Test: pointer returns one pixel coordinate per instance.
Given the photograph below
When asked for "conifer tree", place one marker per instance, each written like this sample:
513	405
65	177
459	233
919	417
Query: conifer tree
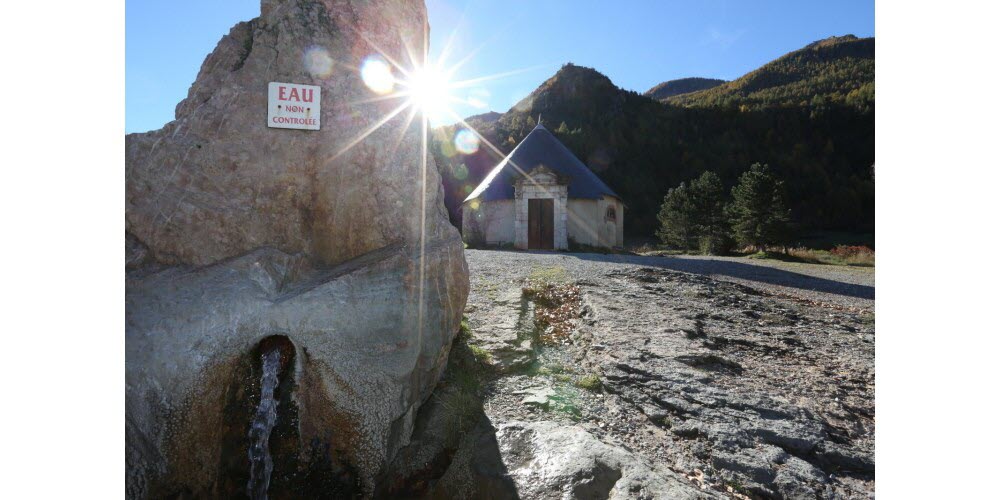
708	205
757	213
676	226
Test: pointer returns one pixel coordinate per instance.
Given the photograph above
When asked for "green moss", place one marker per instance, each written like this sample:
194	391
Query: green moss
590	382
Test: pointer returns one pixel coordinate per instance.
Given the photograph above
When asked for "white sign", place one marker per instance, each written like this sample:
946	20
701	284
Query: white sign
291	105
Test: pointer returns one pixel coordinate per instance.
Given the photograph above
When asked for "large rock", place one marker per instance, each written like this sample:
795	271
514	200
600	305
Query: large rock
217	182
551	461
240	237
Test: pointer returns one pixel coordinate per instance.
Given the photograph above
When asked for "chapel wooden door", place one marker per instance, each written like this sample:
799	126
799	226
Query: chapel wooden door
540	224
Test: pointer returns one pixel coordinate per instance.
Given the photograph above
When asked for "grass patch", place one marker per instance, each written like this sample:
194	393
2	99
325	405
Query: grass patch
590	382
481	355
467	361
733	486
859	256
548	275
465	380
551	370
464	332
658	250
459	392
666	252
463	408
828	240
566	401
839	256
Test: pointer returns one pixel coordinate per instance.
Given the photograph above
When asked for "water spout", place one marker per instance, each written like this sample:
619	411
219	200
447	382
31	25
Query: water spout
263	422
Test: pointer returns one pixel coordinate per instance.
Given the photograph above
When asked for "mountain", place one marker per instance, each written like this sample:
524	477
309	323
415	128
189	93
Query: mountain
838	70
823	148
484	118
671	88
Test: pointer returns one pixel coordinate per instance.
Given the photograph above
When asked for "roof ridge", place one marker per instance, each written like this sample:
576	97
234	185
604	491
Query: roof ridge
542	149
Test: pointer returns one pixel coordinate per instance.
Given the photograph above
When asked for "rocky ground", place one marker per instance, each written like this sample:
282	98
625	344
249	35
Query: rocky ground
668	384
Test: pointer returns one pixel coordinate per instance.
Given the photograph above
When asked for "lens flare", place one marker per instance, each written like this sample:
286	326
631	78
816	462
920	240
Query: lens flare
377	75
461	172
447	148
318	62
466	142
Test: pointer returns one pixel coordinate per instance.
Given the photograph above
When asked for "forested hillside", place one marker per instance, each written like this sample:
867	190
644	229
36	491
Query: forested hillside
819	140
838	70
671	88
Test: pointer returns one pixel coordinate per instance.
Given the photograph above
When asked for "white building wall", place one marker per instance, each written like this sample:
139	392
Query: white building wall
589	223
582	214
620	232
610	228
505	222
492	221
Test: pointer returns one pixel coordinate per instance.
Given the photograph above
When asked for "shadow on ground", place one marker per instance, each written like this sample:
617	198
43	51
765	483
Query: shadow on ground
738	270
453	450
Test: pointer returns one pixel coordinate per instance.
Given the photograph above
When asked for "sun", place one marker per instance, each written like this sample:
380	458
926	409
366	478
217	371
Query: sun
416	86
428	89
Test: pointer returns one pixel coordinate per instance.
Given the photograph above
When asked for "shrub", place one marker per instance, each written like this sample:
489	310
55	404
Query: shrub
852	251
855	255
841	255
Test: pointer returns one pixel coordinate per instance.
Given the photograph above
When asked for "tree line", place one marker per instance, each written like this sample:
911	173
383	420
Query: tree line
698	215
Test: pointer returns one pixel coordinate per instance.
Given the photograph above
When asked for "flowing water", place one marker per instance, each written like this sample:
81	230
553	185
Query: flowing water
260	429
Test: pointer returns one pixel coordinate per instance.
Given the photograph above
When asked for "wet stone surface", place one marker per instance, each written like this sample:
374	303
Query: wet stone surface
737	391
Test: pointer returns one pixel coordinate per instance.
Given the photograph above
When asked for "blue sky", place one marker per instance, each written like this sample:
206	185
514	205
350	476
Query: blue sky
636	43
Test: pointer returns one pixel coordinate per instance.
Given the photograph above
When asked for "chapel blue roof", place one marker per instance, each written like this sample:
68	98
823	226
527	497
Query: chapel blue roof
539	148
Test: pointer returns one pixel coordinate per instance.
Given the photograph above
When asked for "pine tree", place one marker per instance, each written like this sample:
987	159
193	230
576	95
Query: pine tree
758	214
676	226
708	206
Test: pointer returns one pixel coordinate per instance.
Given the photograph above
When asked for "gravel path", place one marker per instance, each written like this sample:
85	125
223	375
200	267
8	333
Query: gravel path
852	287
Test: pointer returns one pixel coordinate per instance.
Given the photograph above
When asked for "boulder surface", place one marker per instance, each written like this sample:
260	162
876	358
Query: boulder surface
329	244
551	461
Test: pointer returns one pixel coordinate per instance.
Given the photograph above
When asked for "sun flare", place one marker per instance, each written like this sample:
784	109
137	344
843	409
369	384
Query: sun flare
428	90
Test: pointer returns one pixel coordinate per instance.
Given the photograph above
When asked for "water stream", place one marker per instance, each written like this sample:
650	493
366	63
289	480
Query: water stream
260	429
